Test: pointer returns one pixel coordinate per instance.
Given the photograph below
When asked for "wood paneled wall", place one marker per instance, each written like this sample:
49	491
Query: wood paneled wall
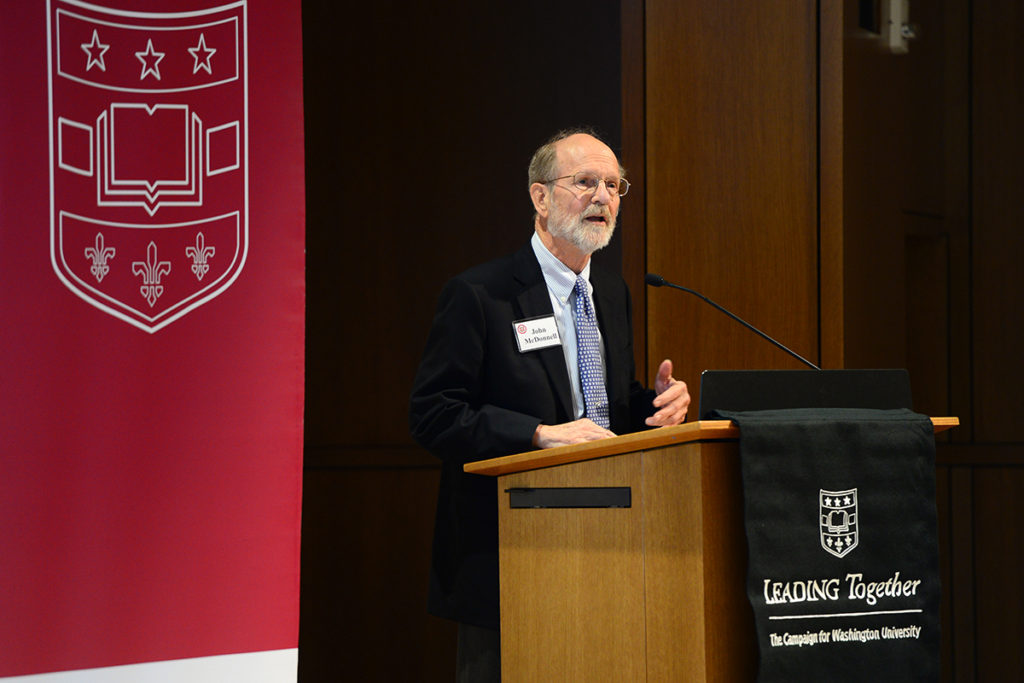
731	192
997	215
993	461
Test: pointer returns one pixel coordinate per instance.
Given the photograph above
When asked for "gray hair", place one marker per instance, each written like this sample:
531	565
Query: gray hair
545	159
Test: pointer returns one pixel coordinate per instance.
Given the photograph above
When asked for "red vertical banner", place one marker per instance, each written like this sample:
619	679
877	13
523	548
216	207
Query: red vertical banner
151	331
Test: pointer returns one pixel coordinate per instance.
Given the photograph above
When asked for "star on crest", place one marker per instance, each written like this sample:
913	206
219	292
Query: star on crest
202	55
150	61
95	50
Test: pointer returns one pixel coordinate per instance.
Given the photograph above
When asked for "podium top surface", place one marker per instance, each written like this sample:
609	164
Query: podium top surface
701	430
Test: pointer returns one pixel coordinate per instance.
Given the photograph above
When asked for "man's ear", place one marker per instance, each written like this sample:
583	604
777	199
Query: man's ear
540	195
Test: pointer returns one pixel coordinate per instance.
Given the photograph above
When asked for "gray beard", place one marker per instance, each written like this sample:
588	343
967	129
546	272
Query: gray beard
578	232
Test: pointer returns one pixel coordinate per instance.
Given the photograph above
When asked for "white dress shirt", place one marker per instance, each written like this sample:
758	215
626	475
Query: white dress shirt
561	282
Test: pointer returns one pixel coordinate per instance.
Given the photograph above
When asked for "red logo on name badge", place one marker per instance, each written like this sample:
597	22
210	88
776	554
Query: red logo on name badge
148	155
522	329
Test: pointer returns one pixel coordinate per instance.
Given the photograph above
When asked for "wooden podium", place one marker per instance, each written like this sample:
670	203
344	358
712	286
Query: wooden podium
653	590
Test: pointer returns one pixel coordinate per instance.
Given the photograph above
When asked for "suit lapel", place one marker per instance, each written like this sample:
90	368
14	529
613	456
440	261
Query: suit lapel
535	301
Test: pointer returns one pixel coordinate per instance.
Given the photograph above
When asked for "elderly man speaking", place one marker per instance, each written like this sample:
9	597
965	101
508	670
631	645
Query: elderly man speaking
533	350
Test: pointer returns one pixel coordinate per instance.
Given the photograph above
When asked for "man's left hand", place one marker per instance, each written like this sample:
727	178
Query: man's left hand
672	400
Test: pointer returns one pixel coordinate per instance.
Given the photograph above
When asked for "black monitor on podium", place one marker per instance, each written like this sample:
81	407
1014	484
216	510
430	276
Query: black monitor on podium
743	390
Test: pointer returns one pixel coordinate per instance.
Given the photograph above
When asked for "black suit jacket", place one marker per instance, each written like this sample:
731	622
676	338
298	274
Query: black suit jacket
476	396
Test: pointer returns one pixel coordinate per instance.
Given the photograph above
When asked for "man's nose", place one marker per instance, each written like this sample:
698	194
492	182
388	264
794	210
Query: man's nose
602	194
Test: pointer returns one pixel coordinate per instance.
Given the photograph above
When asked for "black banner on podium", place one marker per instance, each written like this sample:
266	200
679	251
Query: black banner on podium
841	530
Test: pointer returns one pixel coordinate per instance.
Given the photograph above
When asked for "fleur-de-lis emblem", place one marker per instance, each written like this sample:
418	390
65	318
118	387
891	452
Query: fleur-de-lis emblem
200	254
151	271
99	254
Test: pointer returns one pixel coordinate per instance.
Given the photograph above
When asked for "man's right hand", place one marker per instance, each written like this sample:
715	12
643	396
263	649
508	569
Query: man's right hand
579	431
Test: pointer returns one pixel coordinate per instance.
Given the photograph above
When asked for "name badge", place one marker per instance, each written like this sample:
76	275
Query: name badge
533	334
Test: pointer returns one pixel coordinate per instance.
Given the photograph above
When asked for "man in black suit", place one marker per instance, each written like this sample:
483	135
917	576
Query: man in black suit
515	361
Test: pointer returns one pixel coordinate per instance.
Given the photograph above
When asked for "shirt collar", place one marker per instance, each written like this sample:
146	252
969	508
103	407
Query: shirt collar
560	278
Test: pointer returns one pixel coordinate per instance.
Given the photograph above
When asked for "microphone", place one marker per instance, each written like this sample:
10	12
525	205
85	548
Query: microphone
658	281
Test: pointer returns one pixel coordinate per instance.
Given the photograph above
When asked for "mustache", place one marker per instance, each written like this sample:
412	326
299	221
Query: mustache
598	210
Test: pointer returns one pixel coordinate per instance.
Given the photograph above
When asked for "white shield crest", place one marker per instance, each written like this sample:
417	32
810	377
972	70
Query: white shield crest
838	521
148	155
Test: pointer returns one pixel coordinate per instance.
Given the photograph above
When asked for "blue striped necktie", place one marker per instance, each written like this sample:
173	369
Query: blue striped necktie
588	357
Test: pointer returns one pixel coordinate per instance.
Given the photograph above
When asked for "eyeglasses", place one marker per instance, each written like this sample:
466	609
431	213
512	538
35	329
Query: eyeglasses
588	182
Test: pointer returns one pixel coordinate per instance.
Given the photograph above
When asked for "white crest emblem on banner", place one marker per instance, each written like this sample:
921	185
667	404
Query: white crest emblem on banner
838	521
148	155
